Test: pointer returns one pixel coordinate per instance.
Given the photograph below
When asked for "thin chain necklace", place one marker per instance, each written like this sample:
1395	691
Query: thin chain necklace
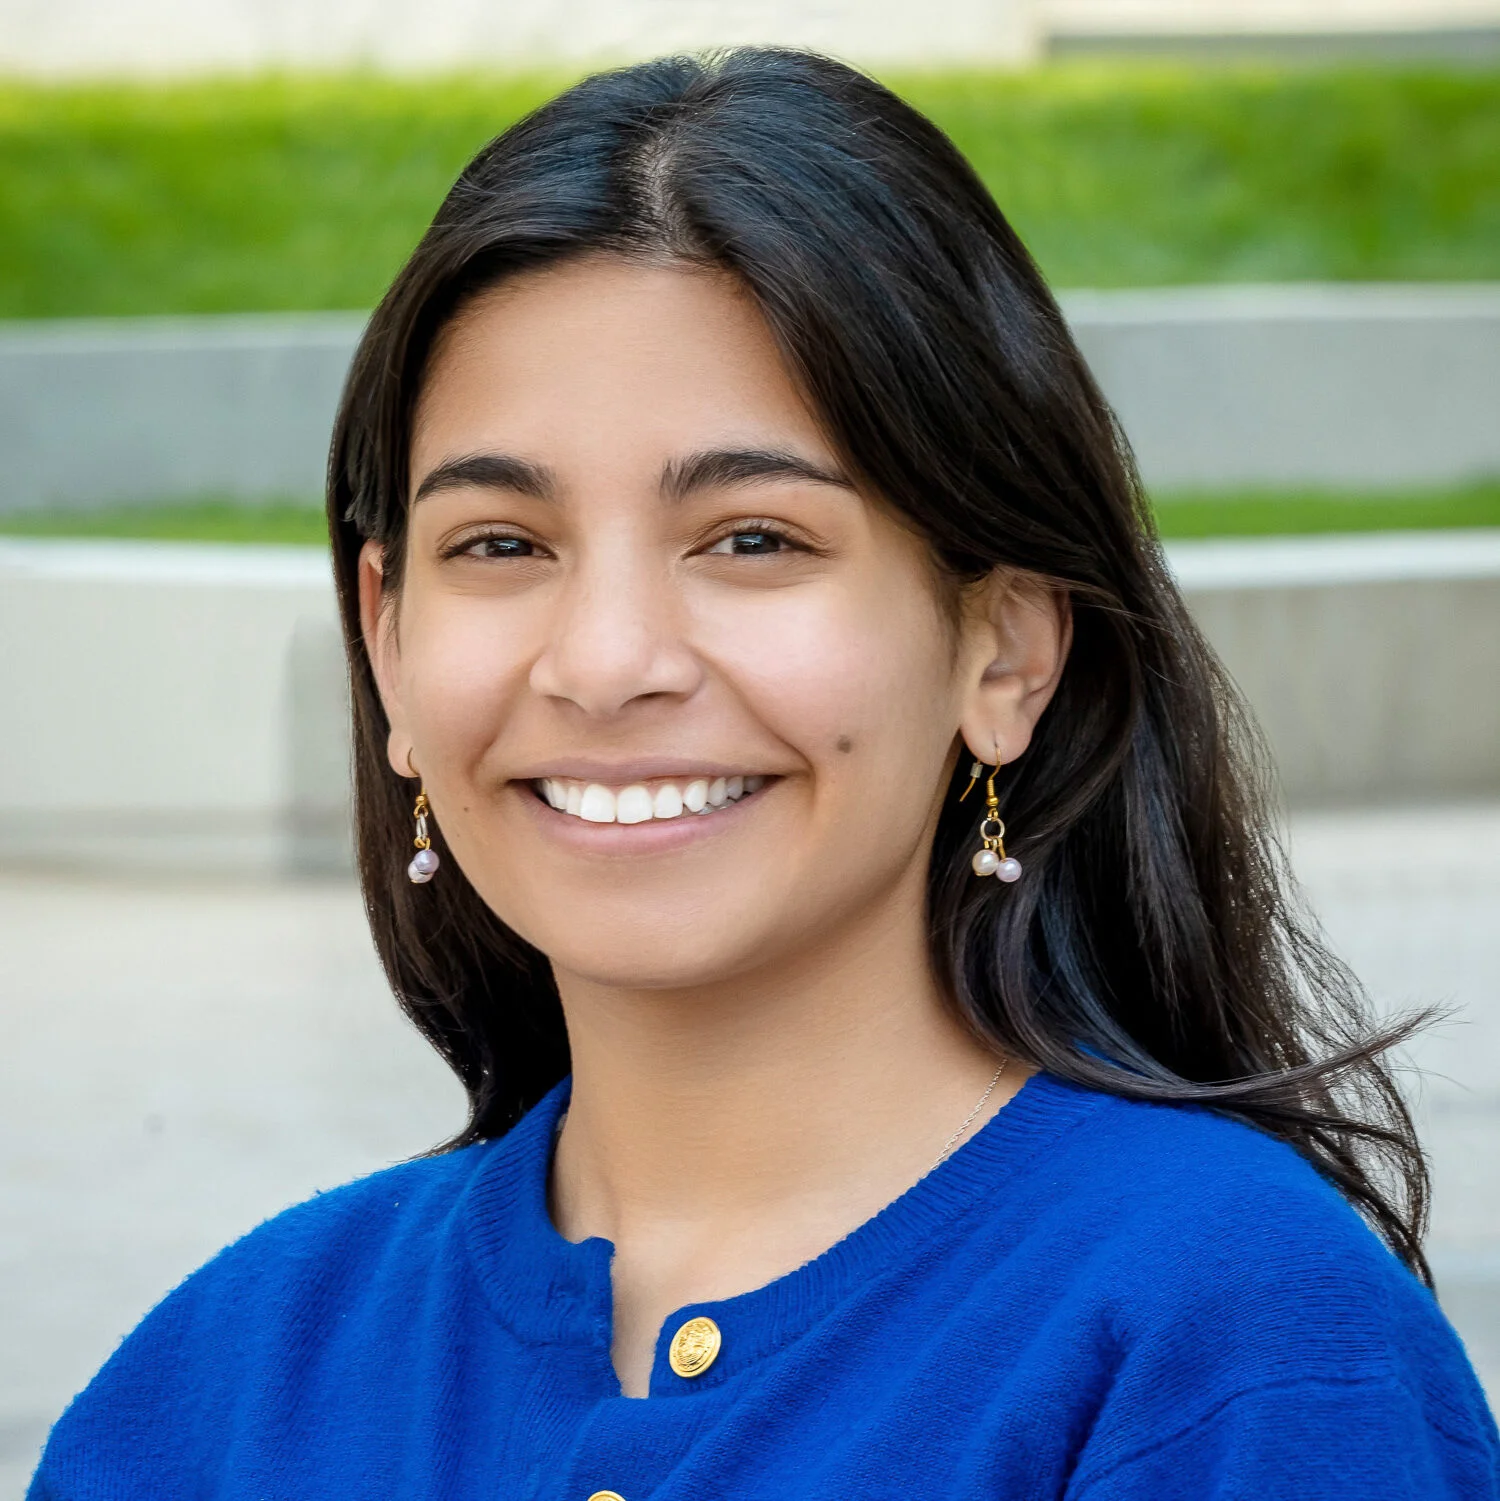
948	1147
969	1118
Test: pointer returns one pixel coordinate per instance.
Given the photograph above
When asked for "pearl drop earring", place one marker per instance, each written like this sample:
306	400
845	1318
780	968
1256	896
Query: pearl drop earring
991	859
425	862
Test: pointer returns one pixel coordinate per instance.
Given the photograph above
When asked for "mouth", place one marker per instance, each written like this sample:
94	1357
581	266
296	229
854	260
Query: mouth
658	800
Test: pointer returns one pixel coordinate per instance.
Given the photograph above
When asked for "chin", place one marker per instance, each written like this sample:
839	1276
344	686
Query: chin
667	936
648	954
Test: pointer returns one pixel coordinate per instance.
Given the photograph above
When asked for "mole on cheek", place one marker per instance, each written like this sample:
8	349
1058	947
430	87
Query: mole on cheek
845	743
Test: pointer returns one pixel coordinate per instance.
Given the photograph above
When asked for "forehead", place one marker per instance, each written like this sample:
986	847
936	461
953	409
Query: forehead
605	349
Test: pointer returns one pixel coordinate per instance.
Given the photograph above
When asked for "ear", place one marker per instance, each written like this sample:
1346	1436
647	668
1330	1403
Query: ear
1018	629
377	624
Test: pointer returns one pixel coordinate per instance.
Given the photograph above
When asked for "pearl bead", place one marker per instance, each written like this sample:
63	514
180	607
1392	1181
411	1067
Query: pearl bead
423	866
985	863
1008	870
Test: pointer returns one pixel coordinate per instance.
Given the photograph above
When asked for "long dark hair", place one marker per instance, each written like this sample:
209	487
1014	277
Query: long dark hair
1153	949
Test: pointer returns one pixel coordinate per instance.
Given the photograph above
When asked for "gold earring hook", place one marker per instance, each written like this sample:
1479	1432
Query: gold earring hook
976	770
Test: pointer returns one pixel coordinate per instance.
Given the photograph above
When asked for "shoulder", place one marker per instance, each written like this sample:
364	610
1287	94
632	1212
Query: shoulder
1223	1262
316	1282
1192	1178
1208	1209
350	1232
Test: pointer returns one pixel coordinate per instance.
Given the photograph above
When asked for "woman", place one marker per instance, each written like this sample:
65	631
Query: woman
837	882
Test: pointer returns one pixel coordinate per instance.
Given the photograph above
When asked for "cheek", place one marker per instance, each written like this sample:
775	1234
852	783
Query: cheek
462	673
842	673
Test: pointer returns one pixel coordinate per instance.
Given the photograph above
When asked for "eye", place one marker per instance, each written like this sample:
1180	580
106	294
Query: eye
502	546
754	541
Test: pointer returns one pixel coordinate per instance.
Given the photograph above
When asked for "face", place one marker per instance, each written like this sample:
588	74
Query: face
684	700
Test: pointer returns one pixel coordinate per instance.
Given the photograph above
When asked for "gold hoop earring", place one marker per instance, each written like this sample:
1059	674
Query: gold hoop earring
990	858
425	862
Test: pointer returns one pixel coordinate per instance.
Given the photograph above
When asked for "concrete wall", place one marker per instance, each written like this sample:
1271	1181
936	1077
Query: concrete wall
1317	17
171	707
1447	47
1322	385
98	410
156	37
1372	662
1317	384
182	706
1454	33
163	37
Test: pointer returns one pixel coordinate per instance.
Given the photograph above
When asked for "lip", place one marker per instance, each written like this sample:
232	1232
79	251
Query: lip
640	769
652	837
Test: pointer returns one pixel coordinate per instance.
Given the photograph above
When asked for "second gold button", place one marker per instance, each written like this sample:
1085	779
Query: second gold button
695	1347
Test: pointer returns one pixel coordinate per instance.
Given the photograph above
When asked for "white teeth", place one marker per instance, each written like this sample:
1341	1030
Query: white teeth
632	804
598	804
638	803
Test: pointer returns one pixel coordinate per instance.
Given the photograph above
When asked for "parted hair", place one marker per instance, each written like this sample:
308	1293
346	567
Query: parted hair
1156	948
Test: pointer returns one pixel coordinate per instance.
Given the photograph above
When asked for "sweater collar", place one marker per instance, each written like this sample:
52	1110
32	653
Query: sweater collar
551	1291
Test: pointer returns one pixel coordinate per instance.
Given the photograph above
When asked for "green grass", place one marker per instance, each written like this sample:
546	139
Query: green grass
1245	513
1142	177
1263	513
305	193
206	520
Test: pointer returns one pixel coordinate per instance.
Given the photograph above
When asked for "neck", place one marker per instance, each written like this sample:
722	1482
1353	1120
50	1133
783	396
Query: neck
838	1079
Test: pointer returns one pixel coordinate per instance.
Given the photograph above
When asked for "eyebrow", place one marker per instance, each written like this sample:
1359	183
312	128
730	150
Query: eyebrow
489	471
738	466
680	477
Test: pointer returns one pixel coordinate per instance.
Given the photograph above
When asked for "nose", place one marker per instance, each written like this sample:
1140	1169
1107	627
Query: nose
617	637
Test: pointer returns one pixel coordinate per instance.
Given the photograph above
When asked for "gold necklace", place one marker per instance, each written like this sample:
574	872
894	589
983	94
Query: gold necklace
942	1156
969	1118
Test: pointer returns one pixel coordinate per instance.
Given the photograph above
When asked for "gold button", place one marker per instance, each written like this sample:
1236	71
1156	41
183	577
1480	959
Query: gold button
606	1496
695	1347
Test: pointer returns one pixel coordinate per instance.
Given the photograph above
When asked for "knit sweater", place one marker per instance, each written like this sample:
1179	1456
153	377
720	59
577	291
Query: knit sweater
1092	1298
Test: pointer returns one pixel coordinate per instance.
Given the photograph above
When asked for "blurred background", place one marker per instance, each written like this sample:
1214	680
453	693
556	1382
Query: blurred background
1275	229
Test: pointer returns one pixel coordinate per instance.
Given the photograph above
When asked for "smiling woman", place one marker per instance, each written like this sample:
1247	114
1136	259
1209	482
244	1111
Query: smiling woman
637	577
718	498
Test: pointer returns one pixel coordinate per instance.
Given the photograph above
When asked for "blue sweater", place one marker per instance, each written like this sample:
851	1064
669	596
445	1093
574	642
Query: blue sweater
1092	1298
